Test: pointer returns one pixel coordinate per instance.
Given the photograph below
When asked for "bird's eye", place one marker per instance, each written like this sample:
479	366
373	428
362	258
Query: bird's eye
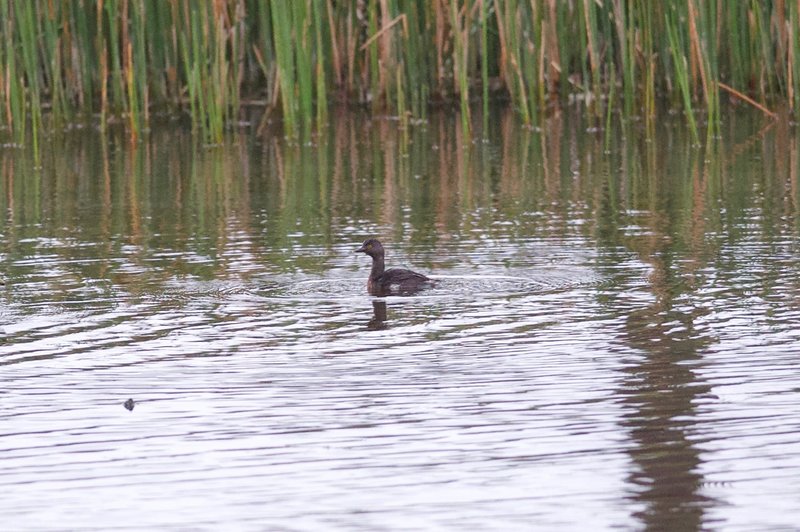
369	246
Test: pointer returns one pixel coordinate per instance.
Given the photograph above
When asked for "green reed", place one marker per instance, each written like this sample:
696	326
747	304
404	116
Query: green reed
793	63
27	29
681	69
484	52
512	55
460	26
121	61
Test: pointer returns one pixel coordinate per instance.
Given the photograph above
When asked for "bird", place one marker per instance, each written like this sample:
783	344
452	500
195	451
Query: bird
394	280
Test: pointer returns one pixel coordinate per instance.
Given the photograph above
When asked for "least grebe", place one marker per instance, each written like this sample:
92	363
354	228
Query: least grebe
394	280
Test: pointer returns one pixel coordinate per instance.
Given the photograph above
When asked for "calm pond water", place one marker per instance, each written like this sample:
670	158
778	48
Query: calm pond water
613	341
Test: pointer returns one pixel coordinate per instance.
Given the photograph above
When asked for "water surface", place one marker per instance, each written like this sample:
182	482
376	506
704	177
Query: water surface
612	343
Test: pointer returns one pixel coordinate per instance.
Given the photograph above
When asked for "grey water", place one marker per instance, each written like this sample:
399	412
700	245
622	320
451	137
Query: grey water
187	342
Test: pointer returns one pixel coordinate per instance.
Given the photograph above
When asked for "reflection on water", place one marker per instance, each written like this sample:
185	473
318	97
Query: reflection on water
187	339
378	320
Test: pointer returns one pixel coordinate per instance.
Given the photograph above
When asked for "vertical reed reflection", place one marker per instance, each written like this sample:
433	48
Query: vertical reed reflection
360	177
663	388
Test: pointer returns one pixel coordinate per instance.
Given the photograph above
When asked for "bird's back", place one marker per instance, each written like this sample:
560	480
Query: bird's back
400	279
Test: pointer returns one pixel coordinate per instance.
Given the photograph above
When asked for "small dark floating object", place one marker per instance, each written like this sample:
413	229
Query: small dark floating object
383	282
129	404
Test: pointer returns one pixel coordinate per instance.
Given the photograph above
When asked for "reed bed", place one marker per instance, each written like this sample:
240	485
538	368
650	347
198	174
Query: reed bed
131	61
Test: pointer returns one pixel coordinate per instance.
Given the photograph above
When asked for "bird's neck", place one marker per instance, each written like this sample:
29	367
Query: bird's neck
377	267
